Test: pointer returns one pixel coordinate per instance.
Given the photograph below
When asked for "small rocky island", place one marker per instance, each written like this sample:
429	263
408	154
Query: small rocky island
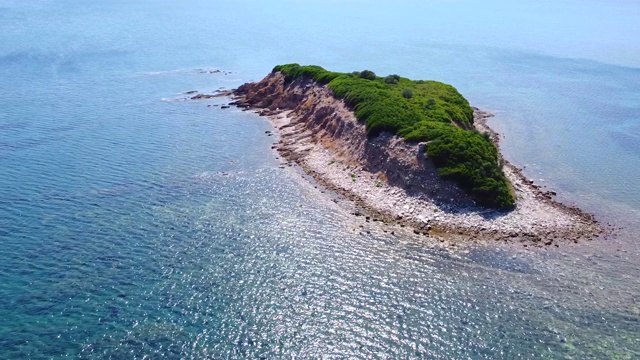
413	153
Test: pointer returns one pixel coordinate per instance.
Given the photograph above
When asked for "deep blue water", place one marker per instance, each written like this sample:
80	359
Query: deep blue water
133	225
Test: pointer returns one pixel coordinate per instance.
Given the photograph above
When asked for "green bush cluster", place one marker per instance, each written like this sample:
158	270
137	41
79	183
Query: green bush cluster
422	111
368	74
317	73
392	79
407	93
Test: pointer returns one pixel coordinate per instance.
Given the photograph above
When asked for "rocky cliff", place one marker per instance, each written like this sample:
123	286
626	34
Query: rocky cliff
317	116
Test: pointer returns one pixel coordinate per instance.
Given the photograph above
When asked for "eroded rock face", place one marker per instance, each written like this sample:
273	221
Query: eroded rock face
318	116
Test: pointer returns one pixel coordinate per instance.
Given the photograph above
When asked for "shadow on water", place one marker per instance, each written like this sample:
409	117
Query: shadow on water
628	141
501	260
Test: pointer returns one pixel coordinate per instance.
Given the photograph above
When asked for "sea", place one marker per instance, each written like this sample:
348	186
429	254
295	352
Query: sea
137	224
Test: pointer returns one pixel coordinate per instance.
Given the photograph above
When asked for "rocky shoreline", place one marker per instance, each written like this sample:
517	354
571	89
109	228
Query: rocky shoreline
391	181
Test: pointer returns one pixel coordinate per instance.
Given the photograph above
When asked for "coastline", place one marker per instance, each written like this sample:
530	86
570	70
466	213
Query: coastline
316	142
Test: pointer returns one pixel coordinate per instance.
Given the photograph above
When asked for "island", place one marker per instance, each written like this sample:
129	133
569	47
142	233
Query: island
411	153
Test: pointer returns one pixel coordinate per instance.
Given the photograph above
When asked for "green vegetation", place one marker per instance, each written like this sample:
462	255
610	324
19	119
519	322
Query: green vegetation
368	74
407	93
392	79
421	111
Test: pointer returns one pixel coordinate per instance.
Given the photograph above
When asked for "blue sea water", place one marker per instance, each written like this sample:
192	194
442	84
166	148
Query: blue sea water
135	225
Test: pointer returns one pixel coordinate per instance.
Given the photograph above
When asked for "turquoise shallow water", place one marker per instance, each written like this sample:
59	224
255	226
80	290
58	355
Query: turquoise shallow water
134	225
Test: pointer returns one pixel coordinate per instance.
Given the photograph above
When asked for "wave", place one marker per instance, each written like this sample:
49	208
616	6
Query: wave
212	70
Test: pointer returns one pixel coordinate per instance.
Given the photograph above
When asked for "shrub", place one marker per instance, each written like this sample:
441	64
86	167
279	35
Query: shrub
392	79
470	161
317	73
368	74
407	93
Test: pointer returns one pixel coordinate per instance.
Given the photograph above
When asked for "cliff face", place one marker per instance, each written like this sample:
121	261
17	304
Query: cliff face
318	117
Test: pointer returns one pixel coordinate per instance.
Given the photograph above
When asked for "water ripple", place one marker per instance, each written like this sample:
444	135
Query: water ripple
132	227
